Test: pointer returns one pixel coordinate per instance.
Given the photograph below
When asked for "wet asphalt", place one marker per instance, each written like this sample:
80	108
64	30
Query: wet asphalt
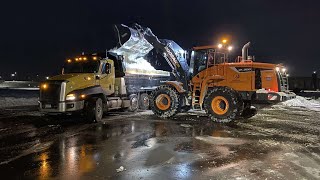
278	143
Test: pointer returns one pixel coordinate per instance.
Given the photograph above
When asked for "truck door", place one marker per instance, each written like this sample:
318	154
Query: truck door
107	77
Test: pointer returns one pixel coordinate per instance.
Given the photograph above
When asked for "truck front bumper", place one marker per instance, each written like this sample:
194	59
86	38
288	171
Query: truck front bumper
61	107
273	97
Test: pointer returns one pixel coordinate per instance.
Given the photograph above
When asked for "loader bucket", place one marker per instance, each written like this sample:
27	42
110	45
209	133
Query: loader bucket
131	42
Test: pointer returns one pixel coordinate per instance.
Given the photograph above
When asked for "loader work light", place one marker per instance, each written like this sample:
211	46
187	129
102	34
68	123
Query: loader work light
284	70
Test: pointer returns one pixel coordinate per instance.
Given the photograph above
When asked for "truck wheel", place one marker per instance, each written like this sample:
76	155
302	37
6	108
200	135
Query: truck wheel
144	101
164	101
94	110
134	103
222	104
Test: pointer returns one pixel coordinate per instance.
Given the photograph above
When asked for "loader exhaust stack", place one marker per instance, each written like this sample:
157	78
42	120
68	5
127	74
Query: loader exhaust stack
245	51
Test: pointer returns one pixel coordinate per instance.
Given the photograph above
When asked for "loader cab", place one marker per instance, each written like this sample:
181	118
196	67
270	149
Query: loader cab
204	57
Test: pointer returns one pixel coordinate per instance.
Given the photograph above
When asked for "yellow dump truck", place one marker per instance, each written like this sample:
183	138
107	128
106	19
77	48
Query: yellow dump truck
93	84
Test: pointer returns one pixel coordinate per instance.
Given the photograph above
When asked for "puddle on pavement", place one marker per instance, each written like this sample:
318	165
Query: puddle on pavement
111	144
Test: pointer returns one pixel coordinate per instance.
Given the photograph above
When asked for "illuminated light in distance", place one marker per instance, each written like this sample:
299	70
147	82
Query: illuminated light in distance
277	69
288	75
85	58
230	48
83	96
314	72
219	46
47	77
224	41
69	60
80	59
77	59
94	58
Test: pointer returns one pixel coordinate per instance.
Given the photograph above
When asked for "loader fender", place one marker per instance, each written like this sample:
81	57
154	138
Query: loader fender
177	85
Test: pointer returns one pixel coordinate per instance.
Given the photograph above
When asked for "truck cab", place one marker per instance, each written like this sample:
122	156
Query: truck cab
88	84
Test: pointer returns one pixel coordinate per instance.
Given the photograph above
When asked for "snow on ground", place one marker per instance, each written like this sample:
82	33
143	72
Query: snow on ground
18	97
303	103
13	101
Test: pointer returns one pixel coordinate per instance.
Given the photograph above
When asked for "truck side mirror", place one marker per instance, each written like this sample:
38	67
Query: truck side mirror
107	68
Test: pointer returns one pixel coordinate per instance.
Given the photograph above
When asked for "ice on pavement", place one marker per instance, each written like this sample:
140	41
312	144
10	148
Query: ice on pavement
304	103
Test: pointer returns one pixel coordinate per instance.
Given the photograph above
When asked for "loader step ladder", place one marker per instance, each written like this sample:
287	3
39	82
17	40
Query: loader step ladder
196	97
284	83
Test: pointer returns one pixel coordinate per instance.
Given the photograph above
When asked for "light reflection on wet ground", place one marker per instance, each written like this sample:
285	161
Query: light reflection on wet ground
149	148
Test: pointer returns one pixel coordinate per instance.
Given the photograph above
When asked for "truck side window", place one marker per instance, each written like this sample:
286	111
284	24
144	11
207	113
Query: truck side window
107	68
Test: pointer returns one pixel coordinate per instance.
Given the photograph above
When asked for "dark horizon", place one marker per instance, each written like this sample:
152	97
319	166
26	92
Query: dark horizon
37	37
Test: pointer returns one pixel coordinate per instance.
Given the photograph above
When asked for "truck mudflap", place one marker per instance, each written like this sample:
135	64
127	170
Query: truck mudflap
273	97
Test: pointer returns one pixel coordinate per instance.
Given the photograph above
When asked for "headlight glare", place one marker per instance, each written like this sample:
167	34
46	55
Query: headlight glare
71	97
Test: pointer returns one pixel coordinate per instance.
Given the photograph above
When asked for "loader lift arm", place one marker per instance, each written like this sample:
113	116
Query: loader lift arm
142	41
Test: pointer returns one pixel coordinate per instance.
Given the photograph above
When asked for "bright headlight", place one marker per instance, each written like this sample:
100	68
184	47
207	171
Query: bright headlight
71	97
277	69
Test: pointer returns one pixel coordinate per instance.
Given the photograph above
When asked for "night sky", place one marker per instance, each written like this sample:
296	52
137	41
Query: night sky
37	36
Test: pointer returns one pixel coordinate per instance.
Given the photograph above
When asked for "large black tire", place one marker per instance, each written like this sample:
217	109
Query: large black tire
222	104
94	110
134	103
144	102
164	101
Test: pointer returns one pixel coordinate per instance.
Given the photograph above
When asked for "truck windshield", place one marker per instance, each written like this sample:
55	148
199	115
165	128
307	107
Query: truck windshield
81	67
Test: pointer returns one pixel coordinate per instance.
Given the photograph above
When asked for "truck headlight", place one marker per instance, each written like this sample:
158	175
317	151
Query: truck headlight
71	97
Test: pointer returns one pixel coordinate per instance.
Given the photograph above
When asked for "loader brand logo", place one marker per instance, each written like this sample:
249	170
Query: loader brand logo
240	69
268	78
171	55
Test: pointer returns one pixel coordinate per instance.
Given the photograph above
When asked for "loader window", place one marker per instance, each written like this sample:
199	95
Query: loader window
82	67
200	60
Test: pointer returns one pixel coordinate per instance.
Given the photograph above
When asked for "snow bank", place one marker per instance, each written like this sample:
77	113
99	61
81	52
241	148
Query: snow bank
18	97
304	103
13	101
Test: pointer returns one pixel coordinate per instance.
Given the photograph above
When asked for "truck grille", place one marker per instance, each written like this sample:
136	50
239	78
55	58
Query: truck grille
52	93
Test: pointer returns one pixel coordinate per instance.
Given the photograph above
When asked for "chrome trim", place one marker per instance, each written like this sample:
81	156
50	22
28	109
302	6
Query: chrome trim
62	107
63	91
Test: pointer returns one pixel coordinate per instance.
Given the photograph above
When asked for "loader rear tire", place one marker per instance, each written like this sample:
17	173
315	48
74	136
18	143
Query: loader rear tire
248	111
164	101
222	104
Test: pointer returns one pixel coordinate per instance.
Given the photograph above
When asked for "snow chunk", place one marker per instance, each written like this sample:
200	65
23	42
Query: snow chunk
303	102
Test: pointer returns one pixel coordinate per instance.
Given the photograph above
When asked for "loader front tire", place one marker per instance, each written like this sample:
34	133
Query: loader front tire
164	101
